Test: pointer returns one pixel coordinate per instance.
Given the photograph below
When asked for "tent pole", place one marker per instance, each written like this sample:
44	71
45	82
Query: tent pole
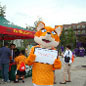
2	39
3	42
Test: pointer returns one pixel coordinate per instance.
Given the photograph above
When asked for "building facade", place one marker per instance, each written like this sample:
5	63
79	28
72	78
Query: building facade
80	32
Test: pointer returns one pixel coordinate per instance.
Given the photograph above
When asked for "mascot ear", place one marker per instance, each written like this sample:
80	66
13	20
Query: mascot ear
58	29
40	25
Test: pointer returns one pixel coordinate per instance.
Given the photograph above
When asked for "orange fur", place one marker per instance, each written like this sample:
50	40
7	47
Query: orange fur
46	37
49	29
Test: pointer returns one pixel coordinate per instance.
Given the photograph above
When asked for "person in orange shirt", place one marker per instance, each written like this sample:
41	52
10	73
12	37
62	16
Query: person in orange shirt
20	61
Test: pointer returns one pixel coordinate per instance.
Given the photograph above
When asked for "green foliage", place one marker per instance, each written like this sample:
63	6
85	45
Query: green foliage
5	41
63	38
68	37
21	48
25	42
28	42
2	10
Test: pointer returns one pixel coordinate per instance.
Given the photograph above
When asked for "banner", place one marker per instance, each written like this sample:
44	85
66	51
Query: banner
45	55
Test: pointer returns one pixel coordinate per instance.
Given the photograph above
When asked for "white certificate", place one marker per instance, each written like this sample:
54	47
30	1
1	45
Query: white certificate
45	55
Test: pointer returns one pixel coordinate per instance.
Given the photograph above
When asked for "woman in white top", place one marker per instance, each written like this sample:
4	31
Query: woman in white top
68	53
67	65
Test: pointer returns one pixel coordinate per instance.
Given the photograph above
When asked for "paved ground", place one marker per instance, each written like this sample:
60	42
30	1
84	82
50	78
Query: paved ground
78	74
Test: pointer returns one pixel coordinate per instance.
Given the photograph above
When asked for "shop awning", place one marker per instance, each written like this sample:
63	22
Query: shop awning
8	33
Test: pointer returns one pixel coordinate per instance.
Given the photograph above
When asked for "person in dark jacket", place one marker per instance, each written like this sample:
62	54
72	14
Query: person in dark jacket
14	51
5	55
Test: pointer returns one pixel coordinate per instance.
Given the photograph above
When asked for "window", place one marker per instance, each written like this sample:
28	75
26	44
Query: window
75	32
83	26
79	31
65	28
83	31
66	32
78	26
69	27
74	26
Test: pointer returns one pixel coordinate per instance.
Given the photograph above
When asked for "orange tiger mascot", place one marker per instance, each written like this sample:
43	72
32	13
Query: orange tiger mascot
48	38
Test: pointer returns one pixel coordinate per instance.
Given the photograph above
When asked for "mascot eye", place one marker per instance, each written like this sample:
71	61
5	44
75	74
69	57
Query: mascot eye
53	32
43	30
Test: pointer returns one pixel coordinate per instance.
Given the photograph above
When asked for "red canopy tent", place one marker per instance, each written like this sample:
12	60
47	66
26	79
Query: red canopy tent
8	33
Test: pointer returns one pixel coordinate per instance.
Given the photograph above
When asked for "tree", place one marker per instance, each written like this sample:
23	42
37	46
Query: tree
2	13
63	36
68	37
71	38
38	20
2	10
82	39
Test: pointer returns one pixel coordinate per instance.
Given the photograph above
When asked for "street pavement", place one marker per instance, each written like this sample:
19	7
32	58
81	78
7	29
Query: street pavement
78	75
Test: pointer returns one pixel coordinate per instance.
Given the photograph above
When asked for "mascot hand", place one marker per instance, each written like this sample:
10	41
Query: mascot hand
32	57
30	60
57	64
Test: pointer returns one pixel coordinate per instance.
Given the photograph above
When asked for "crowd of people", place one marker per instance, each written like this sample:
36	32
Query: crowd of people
12	54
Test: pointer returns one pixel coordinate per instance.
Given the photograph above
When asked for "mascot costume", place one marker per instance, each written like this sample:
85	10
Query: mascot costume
47	38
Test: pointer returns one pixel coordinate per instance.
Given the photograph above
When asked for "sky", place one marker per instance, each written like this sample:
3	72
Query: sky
52	12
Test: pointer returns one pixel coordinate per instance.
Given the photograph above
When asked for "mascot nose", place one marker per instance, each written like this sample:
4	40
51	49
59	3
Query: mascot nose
48	32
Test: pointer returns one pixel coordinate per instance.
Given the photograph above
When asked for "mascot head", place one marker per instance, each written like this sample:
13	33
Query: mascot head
47	37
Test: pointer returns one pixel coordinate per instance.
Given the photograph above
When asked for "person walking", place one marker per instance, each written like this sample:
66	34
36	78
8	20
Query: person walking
5	57
67	64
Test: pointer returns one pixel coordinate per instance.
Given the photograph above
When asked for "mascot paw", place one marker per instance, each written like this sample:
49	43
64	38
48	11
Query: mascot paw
32	57
30	60
57	64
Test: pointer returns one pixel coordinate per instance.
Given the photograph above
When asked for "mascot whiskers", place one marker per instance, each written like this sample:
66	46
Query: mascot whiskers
47	38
